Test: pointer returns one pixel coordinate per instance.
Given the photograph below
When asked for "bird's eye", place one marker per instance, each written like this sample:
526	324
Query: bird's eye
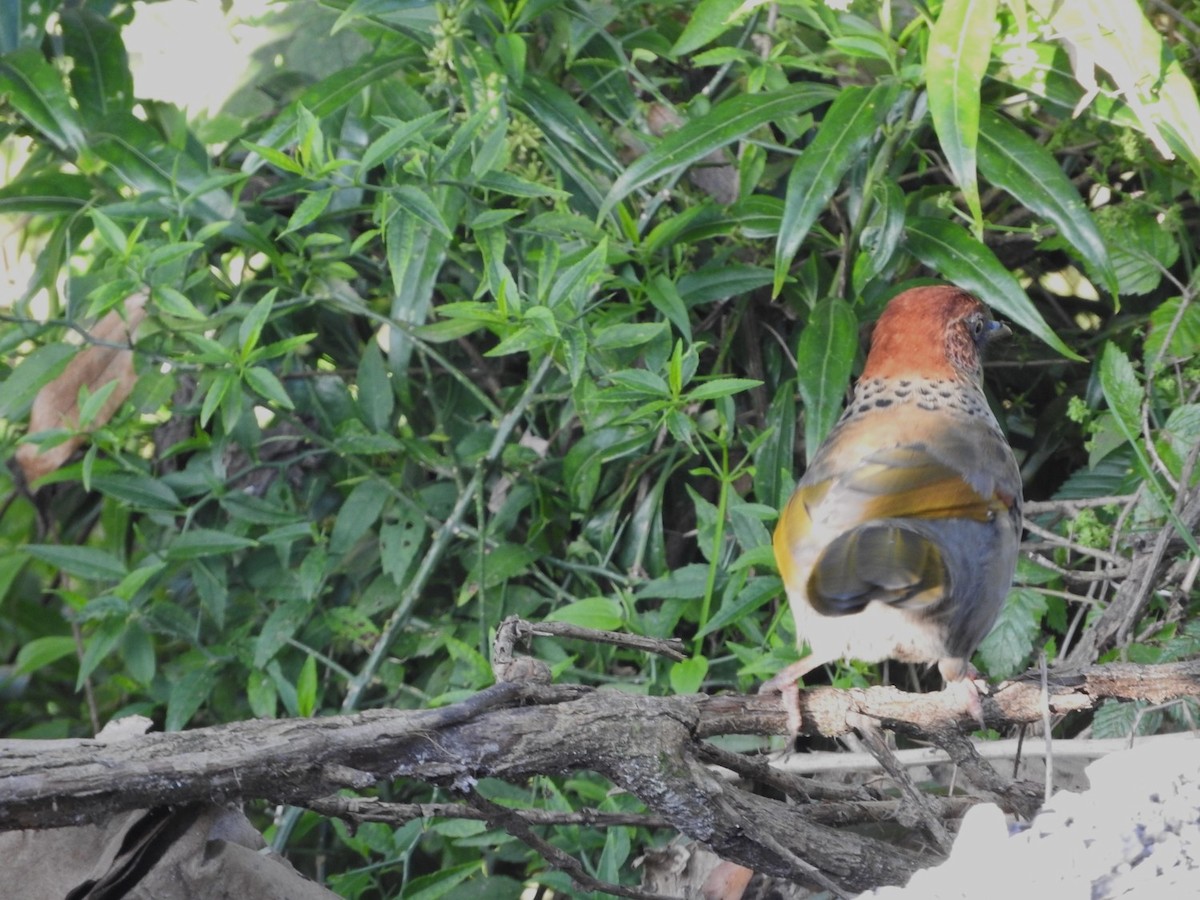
977	327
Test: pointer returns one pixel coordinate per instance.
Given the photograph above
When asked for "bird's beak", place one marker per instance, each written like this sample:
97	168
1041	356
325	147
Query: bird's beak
998	329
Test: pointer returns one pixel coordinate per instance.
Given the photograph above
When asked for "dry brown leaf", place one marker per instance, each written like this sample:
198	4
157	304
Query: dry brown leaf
95	365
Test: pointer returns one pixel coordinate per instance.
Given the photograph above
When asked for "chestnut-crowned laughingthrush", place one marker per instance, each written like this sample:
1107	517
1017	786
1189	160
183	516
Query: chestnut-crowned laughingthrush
900	540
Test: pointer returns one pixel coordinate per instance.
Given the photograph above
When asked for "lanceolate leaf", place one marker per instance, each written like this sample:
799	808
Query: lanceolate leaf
959	258
34	89
823	363
844	133
959	49
724	123
710	20
100	76
1012	160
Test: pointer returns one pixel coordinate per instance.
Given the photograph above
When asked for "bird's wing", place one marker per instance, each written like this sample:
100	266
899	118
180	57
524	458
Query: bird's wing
892	519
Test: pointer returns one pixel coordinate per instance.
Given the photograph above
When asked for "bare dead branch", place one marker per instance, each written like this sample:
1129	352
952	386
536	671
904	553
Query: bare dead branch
372	809
648	746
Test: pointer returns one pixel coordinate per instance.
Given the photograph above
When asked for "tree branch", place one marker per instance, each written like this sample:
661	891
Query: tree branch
650	746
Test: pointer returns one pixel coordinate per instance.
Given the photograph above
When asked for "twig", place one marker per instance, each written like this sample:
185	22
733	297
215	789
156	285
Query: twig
1083	549
672	648
759	769
1114	574
872	738
1071	507
501	817
372	809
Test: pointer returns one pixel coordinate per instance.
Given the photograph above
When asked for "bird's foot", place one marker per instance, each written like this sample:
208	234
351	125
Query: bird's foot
786	684
968	690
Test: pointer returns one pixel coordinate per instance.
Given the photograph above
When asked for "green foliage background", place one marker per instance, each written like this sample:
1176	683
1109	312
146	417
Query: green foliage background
535	309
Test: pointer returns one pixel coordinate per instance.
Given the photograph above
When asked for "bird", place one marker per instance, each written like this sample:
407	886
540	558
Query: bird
900	539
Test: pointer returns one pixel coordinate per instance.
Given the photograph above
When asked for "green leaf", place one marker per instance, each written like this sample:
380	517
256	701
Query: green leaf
1182	324
722	387
200	542
613	859
1115	719
959	258
398	136
260	694
308	210
577	282
1140	247
440	883
1122	391
419	204
774	459
1012	160
132	583
752	596
188	694
400	543
90	563
960	47
347	84
34	88
110	232
824	359
688	675
720	282
565	124
139	491
601	613
250	330
723	124
583	462
497	565
627	335
665	297
266	384
283	622
688	582
137	650
100	76
277	158
174	303
1006	649
415	253
91	403
881	234
709	20
98	645
42	652
358	513
514	186
306	687
376	400
843	136
45	193
165	254
35	371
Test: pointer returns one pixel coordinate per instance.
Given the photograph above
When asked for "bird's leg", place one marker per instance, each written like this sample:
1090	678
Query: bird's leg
786	683
964	681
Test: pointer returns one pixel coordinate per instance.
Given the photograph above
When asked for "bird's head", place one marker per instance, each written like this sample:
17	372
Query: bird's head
932	332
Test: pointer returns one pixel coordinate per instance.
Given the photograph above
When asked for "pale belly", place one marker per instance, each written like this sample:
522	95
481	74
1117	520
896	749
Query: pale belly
877	632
